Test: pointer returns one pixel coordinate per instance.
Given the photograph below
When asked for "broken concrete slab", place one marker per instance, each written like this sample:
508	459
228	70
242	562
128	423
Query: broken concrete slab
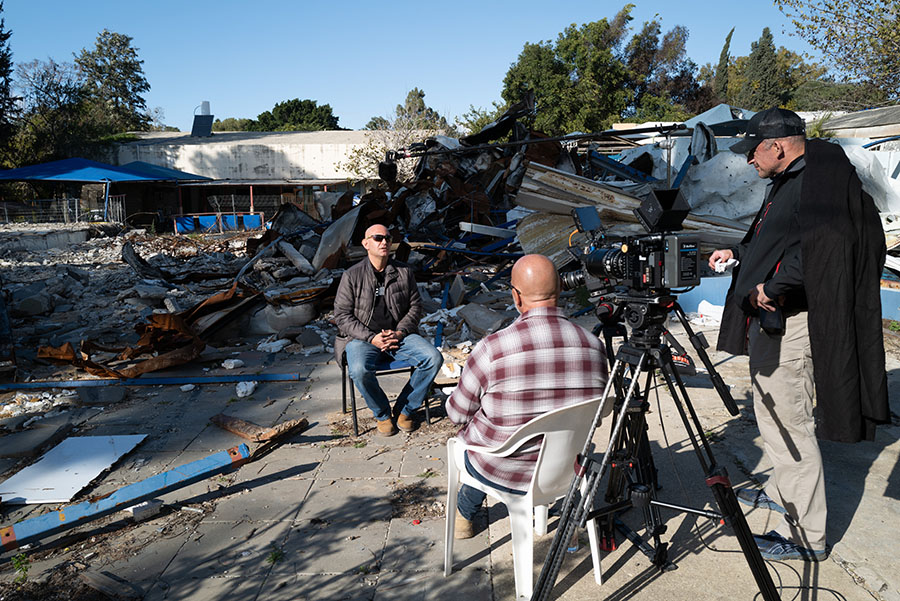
37	304
105	395
28	443
483	321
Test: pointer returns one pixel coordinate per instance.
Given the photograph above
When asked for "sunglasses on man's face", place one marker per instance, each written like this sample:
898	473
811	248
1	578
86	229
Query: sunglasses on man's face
380	237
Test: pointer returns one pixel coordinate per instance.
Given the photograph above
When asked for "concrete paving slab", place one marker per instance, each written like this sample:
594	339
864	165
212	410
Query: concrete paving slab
403	586
420	547
102	395
208	589
286	586
332	547
348	503
146	553
298	460
264	499
226	550
371	461
430	458
29	443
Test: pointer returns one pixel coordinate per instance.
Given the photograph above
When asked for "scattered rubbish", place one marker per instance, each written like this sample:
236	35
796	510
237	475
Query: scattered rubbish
156	381
187	388
273	346
245	389
232	363
66	469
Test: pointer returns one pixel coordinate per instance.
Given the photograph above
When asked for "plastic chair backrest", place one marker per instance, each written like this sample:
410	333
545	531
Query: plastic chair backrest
565	431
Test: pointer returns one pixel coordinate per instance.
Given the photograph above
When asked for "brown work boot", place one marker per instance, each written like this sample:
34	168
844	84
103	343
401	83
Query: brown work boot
405	423
463	528
386	428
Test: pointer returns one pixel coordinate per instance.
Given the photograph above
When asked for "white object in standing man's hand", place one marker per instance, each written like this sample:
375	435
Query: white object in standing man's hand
723	266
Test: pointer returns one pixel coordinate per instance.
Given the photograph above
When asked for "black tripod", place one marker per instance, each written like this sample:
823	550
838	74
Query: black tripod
632	474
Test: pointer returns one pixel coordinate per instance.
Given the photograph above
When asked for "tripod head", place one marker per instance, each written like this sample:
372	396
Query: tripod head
645	313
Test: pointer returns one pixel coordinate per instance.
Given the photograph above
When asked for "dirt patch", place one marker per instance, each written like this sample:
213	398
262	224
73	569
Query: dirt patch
418	500
62	584
341	426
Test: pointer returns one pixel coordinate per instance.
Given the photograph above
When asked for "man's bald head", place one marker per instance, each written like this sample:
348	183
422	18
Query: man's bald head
376	229
377	243
536	282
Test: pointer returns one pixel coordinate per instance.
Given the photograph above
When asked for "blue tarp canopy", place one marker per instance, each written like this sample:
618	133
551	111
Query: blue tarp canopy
83	170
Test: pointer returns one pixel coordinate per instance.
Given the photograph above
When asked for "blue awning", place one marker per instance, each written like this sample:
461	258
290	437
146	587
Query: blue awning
84	170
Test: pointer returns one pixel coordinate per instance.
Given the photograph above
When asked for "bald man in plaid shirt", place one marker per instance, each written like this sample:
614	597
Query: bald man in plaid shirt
541	362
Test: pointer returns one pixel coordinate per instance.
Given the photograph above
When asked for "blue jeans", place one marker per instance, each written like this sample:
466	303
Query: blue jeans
469	499
363	359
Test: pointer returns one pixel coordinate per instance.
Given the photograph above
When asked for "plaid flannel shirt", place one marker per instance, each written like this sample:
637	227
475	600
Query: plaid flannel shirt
541	362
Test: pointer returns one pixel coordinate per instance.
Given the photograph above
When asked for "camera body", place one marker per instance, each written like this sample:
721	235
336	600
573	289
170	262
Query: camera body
642	263
647	264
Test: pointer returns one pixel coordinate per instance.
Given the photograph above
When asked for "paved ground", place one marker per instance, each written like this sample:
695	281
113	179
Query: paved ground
327	516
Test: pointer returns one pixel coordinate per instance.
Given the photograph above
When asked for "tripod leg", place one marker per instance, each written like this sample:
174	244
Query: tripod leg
576	505
717	480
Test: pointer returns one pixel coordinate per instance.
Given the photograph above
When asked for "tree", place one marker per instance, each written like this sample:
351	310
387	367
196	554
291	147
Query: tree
412	122
295	115
579	82
474	120
826	94
7	100
57	120
721	77
231	124
760	90
861	39
662	75
417	115
115	79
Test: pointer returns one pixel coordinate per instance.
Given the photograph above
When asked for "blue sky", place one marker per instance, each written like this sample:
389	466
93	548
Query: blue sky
359	57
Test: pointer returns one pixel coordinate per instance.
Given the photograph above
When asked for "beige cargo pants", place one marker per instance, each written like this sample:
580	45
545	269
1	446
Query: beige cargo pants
781	372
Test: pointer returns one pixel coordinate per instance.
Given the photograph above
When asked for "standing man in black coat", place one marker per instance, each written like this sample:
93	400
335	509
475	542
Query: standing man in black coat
805	301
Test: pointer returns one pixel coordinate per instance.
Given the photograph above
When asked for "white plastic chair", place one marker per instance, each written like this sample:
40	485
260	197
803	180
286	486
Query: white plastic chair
564	431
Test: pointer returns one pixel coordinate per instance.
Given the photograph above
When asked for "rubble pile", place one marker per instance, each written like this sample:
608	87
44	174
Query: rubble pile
125	304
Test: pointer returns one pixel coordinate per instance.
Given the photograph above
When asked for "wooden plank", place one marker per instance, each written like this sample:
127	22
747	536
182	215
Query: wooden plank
255	432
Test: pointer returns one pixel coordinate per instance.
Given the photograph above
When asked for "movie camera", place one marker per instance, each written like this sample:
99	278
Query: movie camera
660	259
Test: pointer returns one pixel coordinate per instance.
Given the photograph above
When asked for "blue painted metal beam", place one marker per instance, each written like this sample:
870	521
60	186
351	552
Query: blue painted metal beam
618	169
48	524
439	331
154	381
690	160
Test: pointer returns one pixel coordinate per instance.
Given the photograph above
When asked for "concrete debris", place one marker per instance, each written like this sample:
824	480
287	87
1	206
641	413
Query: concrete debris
144	510
272	346
245	389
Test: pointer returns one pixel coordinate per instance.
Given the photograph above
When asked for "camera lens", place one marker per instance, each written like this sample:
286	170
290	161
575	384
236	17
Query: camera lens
572	279
609	263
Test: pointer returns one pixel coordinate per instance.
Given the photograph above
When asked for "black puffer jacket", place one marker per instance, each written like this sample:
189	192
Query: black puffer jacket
355	302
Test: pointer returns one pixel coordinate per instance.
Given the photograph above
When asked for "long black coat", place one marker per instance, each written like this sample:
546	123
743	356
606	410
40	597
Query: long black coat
843	249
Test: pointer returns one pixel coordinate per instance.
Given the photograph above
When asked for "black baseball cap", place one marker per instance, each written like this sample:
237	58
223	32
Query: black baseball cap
767	124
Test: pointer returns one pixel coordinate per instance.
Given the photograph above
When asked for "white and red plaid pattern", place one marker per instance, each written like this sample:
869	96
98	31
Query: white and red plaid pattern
541	362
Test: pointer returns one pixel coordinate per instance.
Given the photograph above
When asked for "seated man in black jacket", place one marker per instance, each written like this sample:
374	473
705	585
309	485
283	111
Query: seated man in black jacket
377	310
